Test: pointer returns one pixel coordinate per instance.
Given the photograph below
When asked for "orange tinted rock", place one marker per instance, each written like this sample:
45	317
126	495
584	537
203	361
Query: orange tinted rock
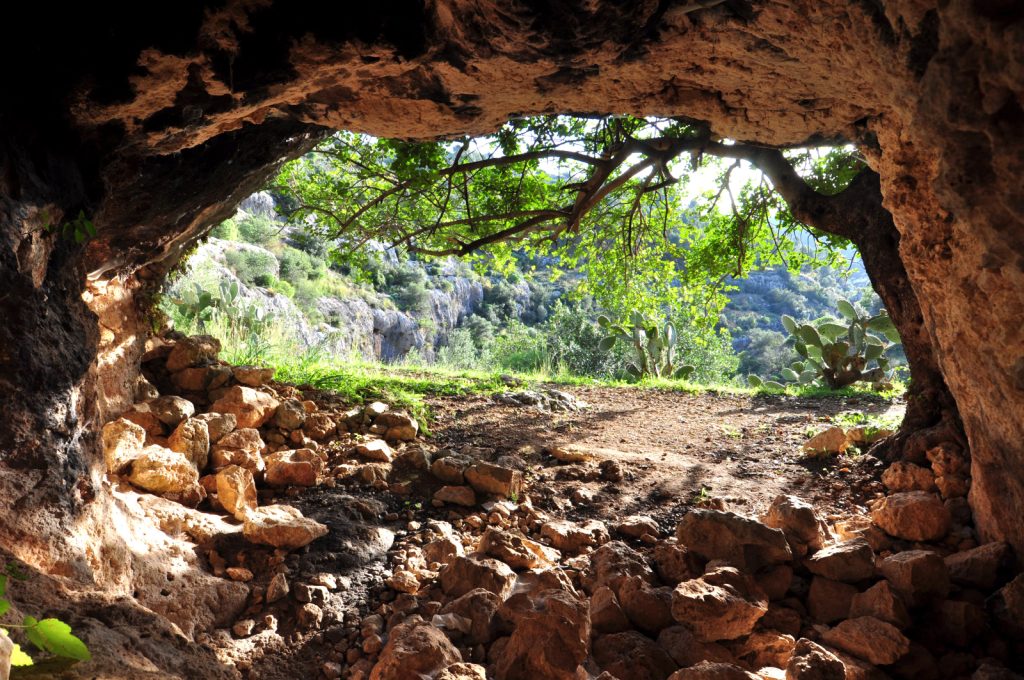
414	650
719	535
251	408
870	639
912	515
721	605
632	656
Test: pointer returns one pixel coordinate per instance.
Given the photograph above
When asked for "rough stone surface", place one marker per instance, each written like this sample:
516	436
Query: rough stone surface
376	449
710	670
920	576
192	438
494	479
719	535
913	515
686	650
811	661
572	537
250	407
849	561
171	410
236	491
194	350
979	567
123	442
904	476
456	495
882	602
868	638
478	607
552	615
649	608
281	526
797	519
516	550
301	467
606	615
1007	607
218	424
463	574
721	605
161	471
828	442
414	650
290	415
829	600
632	656
252	376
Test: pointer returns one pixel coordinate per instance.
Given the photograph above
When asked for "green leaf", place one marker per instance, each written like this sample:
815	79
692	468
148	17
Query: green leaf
607	343
773	385
789	374
882	322
789	323
832	330
809	334
892	336
603	321
873	351
54	636
846	309
3	584
754	381
4	607
808	376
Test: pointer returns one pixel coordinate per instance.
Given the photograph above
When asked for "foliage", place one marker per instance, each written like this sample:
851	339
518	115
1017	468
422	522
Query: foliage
49	635
251	265
78	229
226	230
840	354
257	229
655	347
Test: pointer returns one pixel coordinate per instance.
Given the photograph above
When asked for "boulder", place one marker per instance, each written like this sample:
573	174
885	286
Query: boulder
123	442
958	622
196	350
252	376
553	616
171	410
612	564
404	581
632	656
947	459
573	537
848	561
861	526
241	447
301	467
912	515
919	576
606	615
236	491
721	605
904	476
143	416
218	424
192	438
456	495
376	449
829	600
829	442
763	648
674	563
201	378
1007	607
882	602
479	607
494	479
740	541
686	650
397	426
161	470
636	526
953	486
649	608
251	408
797	519
868	638
775	581
442	550
979	567
414	650
463	671
811	661
290	415
516	550
319	426
463	574
449	469
281	526
710	670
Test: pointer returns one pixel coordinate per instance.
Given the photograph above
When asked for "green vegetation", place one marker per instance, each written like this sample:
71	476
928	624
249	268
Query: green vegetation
49	635
655	347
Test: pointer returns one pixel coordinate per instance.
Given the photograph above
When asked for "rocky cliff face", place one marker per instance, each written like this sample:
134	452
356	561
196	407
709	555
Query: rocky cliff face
159	128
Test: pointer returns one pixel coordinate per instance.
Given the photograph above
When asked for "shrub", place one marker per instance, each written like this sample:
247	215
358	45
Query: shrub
257	229
250	265
298	266
226	230
460	352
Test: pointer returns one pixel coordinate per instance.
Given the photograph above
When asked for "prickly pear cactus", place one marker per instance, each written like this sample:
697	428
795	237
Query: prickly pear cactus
655	346
838	354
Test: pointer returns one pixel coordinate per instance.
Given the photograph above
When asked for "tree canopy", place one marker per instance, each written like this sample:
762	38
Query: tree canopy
612	197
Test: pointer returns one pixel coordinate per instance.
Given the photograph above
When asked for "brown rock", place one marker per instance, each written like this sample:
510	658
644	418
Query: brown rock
868	638
290	415
463	574
141	415
953	486
554	616
849	561
829	442
252	376
494	479
743	542
710	670
196	350
606	615
398	427
721	605
240	574
947	459
376	449
251	408
686	650
811	661
882	602
783	619
636	526
912	515
797	519
479	607
442	550
829	600
463	671
449	469
218	424
404	581
649	608
301	467
241	447
192	438
162	471
632	656
516	550
201	379
979	567
236	491
456	495
1007	607
319	426
278	588
123	442
674	563
572	537
763	648
414	650
861	526
904	476
171	410
958	622
613	563
919	576
281	526
775	581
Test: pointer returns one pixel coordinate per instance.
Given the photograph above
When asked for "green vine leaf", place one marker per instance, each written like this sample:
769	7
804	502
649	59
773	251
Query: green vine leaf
54	636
